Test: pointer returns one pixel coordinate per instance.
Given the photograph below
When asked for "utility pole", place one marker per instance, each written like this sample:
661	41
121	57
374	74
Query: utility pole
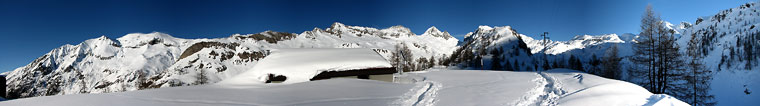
545	40
545	43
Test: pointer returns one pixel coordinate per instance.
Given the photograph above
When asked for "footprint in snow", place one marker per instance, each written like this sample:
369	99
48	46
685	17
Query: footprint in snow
579	77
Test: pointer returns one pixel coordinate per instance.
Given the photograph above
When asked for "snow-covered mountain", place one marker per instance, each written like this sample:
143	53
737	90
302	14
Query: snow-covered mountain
729	36
577	42
502	48
153	60
490	41
730	42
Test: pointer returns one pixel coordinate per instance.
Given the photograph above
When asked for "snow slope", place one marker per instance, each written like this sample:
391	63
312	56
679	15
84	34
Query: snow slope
432	87
727	39
300	65
576	88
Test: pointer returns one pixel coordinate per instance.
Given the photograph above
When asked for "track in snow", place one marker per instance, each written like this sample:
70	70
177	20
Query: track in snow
421	95
546	94
552	91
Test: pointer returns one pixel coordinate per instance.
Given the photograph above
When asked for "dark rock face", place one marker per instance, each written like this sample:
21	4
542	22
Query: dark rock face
201	45
269	36
2	86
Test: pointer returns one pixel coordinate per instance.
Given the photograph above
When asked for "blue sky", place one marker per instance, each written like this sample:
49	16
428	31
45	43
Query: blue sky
31	28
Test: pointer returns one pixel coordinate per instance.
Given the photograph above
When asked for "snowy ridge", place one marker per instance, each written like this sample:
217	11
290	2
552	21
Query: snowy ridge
500	48
92	64
434	32
577	42
678	29
155	60
139	39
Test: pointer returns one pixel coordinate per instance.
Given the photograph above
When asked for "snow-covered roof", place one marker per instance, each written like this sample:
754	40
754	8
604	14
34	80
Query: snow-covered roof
300	65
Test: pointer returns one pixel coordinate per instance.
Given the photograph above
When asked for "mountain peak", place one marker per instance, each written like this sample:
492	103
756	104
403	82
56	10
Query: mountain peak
102	37
139	39
337	25
432	30
399	29
102	40
139	35
684	25
317	30
468	35
484	28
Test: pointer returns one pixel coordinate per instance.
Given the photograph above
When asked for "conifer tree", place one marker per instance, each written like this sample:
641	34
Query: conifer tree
496	60
698	77
200	78
611	64
508	66
658	63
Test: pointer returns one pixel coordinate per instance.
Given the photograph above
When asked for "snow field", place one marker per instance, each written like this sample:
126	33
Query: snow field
440	88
